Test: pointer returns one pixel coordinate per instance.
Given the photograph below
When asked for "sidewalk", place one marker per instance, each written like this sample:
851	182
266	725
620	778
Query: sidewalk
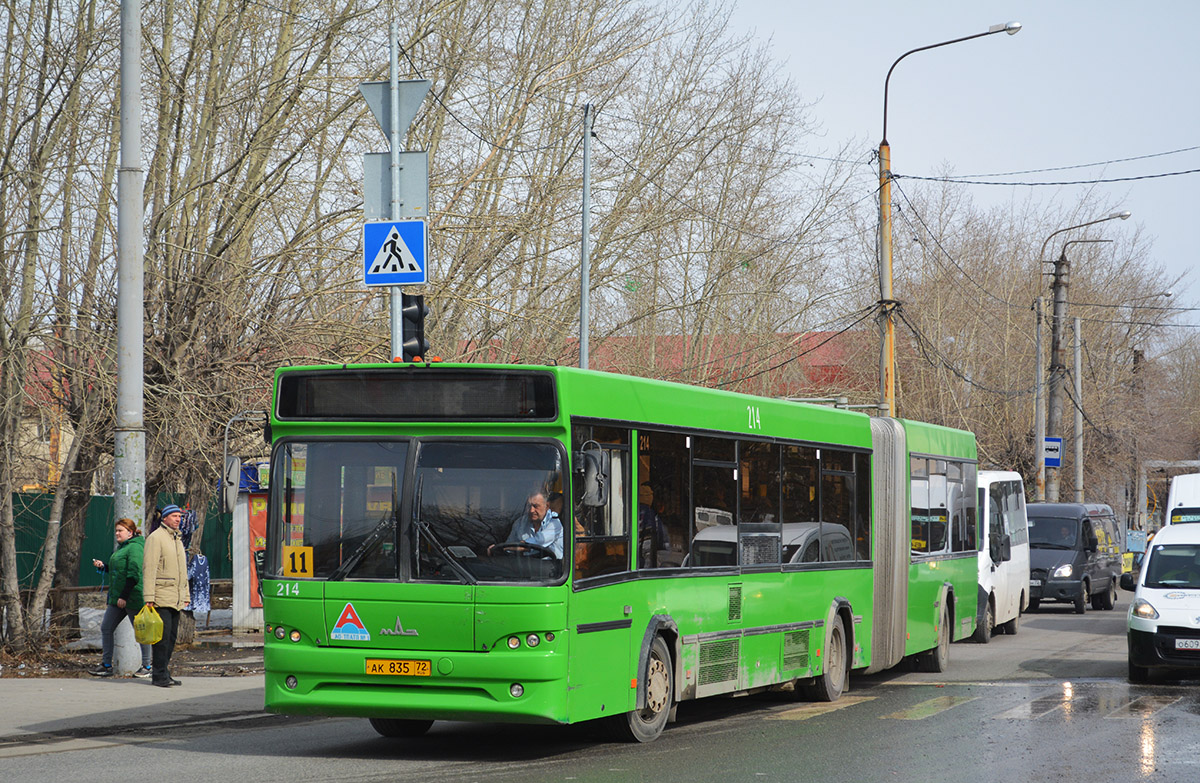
77	713
71	713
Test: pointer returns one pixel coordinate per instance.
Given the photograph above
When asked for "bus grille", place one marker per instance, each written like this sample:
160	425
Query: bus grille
735	602
795	650
718	661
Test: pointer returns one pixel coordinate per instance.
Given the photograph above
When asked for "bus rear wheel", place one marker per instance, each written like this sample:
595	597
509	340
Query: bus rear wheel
938	659
646	724
399	727
831	683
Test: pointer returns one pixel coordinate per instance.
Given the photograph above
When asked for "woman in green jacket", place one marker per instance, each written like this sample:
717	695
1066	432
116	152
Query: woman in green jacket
124	594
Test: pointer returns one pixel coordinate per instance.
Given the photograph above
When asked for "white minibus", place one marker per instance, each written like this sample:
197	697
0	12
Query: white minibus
1003	553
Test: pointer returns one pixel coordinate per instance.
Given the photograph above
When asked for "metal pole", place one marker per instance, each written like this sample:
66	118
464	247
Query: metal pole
1141	522
887	305
1062	269
1039	404
887	370
1135	512
129	443
1078	414
1058	367
394	77
584	249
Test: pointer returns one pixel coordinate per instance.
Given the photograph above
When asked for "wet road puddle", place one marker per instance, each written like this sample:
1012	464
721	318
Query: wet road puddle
1076	702
813	710
1144	706
929	708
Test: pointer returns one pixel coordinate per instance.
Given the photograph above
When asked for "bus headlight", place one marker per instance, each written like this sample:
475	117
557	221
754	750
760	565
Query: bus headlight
517	690
294	636
291	682
1063	571
532	640
513	642
280	632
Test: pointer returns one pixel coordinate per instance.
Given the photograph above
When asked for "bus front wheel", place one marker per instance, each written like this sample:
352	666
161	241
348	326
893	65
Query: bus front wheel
399	728
646	724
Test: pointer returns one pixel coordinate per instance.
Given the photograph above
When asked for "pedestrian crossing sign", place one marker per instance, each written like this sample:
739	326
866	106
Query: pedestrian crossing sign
394	252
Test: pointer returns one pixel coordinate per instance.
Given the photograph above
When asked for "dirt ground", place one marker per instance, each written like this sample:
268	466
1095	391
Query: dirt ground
210	654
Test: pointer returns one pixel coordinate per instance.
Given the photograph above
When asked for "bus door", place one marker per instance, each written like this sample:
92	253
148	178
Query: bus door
997	529
600	620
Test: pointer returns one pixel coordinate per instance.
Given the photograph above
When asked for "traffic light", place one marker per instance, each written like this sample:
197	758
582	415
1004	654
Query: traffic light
413	310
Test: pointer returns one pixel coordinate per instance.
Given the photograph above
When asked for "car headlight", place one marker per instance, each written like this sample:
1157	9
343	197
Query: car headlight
1063	571
1142	608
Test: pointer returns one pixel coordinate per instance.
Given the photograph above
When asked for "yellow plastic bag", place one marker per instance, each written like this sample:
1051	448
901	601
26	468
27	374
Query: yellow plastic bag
147	626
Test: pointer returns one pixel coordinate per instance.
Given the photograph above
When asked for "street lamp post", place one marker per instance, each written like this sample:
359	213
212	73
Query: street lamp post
1057	366
887	303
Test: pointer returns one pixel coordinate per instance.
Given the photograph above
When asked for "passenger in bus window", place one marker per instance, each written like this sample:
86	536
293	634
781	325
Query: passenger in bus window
652	535
540	527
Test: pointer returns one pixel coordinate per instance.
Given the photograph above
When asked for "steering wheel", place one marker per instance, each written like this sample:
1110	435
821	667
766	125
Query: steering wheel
509	549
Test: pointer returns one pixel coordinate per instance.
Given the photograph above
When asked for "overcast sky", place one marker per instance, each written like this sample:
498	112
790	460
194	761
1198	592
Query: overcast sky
1084	81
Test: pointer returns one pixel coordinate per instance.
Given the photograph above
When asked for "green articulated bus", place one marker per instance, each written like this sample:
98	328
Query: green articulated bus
554	545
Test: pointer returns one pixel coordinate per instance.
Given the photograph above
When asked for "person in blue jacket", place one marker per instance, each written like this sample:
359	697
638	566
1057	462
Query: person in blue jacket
124	594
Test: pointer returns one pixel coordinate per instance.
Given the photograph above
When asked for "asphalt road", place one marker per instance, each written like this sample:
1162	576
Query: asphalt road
1050	703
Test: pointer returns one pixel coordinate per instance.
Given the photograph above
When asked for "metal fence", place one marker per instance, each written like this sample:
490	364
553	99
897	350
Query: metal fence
31	512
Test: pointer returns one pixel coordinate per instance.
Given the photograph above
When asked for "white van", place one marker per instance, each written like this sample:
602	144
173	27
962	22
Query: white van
1183	500
1003	553
1164	617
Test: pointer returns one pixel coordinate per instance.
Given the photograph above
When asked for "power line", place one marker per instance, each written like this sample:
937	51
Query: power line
1076	166
926	345
1166	308
946	252
1099	181
867	314
793	238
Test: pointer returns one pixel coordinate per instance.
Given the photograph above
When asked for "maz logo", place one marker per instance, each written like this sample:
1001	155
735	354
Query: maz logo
398	630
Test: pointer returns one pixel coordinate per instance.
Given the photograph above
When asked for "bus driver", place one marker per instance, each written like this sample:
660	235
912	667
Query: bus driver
540	527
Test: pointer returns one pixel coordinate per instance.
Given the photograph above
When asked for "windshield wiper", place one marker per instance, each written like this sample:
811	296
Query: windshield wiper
386	525
427	529
1046	545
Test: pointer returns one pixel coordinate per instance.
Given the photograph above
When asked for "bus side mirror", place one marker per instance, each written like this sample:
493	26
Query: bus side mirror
595	468
1005	548
230	483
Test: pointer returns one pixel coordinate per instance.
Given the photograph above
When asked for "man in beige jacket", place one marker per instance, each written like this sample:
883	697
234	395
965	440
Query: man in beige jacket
165	588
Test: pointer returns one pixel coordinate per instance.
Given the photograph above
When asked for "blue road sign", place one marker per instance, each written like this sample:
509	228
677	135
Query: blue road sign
394	252
1052	450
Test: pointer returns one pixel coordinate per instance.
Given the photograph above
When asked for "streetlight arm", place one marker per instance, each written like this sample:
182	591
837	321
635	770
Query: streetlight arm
1113	216
1011	28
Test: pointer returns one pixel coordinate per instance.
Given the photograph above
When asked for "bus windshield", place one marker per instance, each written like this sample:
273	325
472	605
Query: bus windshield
339	511
472	517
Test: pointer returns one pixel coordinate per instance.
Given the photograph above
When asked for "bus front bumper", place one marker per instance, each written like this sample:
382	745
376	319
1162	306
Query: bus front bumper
306	680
